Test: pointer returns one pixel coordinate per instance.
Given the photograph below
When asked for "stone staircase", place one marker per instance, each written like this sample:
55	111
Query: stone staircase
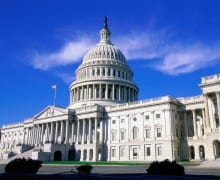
27	154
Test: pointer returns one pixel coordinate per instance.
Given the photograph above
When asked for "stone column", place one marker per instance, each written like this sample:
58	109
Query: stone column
72	135
113	92
119	92
106	91
218	104
194	122
77	135
56	132
100	91
93	91
61	131
51	132
185	124
83	131
67	132
101	131
95	133
207	119
129	95
89	135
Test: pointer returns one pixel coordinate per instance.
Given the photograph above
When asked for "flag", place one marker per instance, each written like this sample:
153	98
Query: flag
54	86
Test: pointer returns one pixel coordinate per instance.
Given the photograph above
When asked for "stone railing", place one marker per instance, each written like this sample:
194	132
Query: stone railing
13	125
88	109
210	79
190	100
151	101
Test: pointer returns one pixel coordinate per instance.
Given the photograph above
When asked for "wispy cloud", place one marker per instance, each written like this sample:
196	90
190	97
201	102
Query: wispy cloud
188	59
71	52
66	77
172	58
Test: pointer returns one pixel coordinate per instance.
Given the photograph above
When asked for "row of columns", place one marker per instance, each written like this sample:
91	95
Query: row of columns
109	72
64	132
212	114
104	91
194	119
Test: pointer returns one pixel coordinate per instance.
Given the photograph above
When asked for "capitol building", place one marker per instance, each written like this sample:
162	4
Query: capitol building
105	121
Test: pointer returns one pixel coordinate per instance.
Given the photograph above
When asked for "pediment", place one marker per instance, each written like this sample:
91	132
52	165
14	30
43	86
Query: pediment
50	111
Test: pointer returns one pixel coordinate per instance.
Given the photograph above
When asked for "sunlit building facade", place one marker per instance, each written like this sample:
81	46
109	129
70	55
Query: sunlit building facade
105	121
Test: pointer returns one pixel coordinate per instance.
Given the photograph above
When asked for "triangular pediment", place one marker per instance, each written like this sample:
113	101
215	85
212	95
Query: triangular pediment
50	111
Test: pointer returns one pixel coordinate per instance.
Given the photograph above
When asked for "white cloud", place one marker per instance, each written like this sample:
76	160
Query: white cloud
172	58
67	78
71	52
188	59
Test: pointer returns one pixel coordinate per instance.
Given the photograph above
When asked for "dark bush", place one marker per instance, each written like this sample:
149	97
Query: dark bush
166	167
84	169
23	166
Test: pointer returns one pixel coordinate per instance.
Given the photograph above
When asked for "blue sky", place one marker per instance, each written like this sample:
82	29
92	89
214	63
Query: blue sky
169	45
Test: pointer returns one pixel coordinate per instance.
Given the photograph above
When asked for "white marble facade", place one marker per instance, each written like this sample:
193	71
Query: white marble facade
105	121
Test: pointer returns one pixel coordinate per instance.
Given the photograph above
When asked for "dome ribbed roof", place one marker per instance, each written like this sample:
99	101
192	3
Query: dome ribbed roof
104	50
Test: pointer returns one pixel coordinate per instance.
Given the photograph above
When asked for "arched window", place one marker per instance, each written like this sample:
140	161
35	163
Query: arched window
135	132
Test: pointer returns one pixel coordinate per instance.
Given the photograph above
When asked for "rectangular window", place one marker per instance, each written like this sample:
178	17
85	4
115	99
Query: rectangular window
122	151
148	151
147	117
158	130
135	153
113	136
122	120
113	121
159	150
113	152
147	133
122	135
157	116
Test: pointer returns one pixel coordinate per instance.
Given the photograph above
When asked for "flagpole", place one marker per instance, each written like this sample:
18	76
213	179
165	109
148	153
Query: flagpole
55	94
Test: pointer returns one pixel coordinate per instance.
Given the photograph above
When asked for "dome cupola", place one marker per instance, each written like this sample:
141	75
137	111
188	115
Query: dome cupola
104	76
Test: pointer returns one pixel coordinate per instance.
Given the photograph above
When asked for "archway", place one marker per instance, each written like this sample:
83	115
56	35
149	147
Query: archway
90	154
192	152
71	154
202	152
216	148
84	154
58	156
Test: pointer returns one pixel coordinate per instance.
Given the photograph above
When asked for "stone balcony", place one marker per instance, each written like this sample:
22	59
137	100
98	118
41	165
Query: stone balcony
210	79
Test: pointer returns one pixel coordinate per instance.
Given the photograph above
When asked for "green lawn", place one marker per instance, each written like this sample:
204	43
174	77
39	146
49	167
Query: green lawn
97	163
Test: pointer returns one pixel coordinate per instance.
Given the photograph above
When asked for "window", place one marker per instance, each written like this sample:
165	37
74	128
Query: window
135	132
113	121
122	151
113	152
122	120
103	71
122	135
147	117
158	131
135	153
157	116
98	72
148	151
147	133
159	150
135	119
119	74
113	135
113	72
108	72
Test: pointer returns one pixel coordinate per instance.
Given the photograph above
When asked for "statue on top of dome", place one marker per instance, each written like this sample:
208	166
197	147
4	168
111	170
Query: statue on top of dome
105	22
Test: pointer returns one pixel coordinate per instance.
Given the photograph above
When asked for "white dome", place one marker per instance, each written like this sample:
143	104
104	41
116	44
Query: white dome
104	51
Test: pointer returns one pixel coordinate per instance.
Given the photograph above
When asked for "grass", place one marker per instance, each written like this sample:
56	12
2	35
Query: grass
113	163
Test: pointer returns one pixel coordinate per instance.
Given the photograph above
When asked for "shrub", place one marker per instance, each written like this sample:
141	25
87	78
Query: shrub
165	167
84	169
23	166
